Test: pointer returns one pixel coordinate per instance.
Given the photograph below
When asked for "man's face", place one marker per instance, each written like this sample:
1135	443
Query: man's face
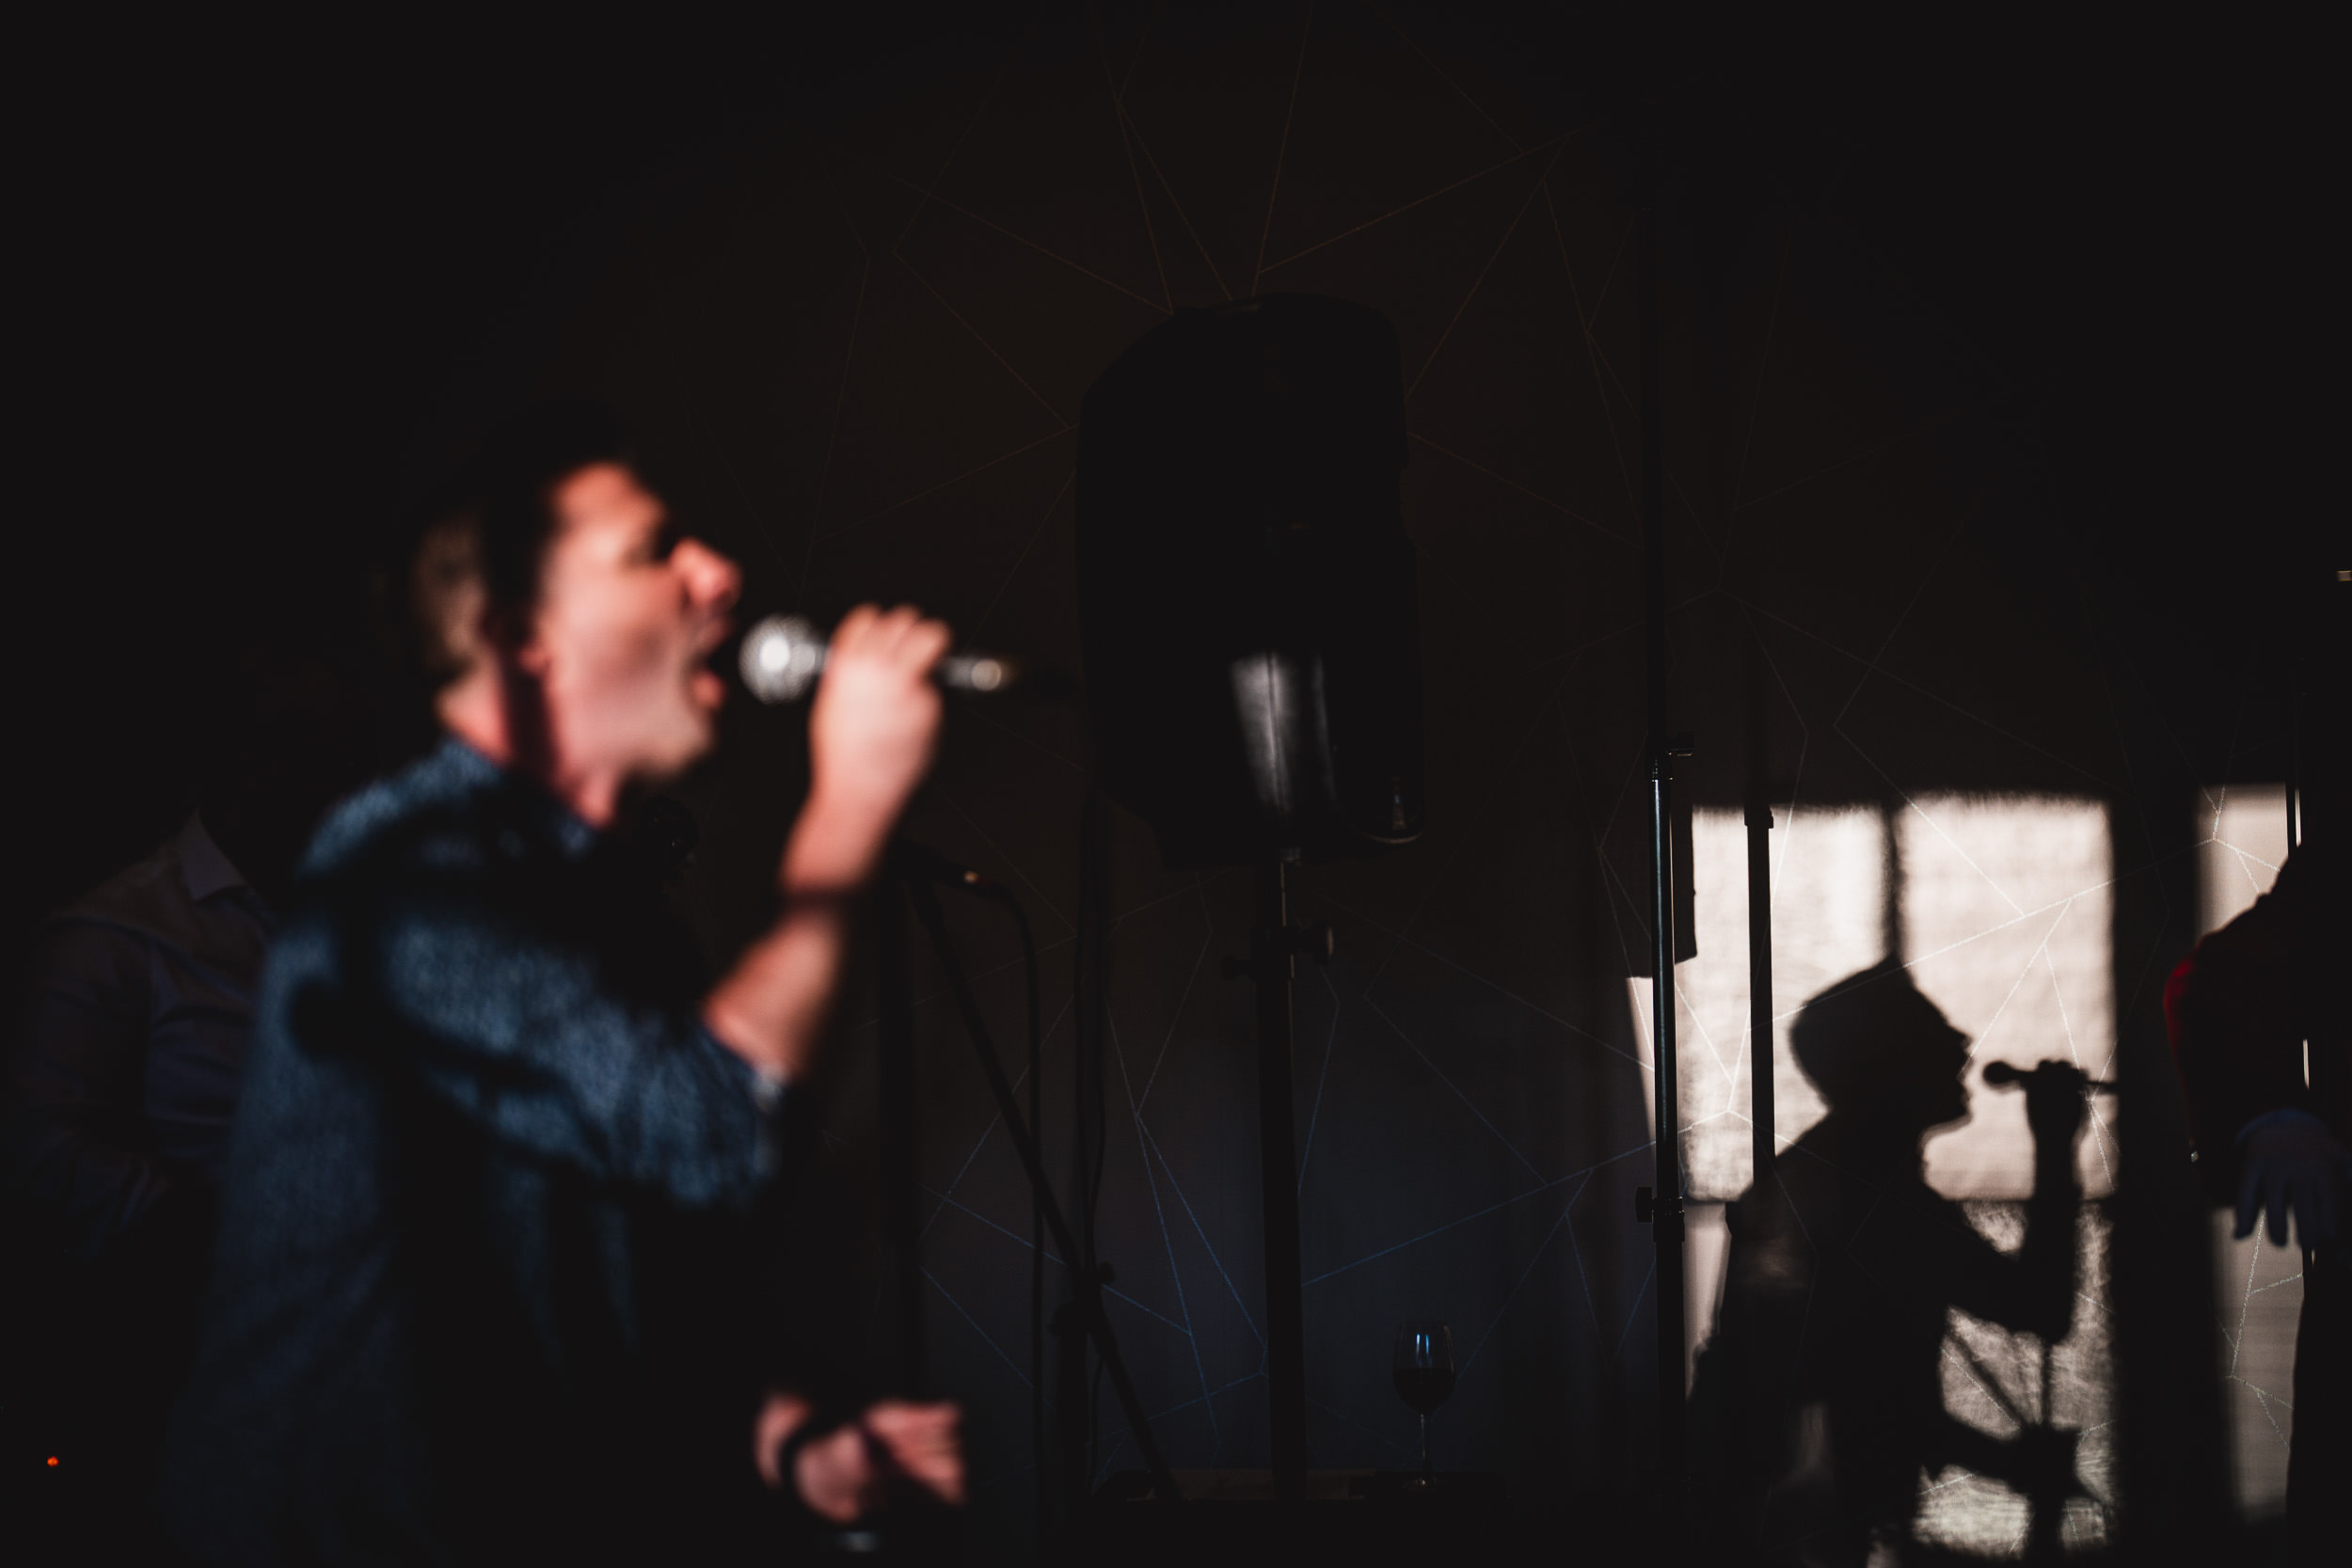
1951	1098
628	616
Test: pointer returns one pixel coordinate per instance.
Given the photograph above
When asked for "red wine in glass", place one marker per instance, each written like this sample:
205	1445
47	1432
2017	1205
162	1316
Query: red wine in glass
1424	1388
1423	1371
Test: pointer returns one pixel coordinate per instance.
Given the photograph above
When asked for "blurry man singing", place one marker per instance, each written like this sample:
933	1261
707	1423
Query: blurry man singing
477	1096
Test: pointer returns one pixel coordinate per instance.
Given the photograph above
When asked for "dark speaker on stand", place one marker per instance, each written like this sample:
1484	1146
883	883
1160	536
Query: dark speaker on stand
1252	652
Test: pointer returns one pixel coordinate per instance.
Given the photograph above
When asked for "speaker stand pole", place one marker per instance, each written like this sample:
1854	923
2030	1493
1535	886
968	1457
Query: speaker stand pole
1663	1210
1272	966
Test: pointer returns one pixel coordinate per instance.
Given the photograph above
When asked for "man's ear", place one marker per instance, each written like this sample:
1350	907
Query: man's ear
446	599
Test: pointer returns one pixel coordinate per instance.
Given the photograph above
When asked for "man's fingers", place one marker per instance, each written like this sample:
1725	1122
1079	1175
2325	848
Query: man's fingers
891	629
906	624
928	643
2248	1199
869	629
2276	1192
921	1443
899	636
913	644
892	1418
868	632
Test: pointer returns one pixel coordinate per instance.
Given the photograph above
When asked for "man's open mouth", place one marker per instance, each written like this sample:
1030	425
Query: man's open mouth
710	677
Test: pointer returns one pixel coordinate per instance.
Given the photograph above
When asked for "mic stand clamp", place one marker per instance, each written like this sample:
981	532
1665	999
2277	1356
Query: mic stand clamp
1646	1207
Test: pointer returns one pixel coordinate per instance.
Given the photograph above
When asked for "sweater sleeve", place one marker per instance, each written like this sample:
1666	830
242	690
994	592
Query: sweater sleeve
525	1034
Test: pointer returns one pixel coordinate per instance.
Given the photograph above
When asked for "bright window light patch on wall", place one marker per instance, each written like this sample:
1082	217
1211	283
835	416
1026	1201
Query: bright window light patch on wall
2258	1289
2000	909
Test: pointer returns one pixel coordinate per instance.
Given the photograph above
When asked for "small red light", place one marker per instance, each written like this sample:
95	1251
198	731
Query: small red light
53	1461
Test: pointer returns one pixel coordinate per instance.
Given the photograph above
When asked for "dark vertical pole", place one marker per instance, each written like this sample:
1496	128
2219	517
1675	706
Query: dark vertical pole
901	1220
1041	1475
2295	738
1761	1110
1278	1155
1089	978
1667	1215
1892	940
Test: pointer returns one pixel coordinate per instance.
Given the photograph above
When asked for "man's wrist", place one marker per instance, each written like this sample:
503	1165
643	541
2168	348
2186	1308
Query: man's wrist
747	1035
837	846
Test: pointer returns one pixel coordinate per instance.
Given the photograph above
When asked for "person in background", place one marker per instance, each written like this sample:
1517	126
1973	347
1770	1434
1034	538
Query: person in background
120	1074
2257	1019
485	1109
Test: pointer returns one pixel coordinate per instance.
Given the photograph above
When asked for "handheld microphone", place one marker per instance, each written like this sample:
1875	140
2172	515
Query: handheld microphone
783	655
2001	1075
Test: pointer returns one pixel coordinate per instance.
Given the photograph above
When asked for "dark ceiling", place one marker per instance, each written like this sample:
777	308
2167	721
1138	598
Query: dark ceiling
262	258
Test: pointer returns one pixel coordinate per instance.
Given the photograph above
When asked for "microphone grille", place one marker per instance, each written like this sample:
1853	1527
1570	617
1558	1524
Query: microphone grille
782	657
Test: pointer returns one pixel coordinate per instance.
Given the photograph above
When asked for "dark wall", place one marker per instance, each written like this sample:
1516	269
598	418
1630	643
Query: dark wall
1986	417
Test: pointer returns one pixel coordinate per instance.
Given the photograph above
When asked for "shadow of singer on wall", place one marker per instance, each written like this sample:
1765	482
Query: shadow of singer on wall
1818	1400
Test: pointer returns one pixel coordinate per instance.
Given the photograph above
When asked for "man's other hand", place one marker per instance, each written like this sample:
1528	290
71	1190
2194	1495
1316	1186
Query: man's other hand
2290	1161
919	1443
850	1471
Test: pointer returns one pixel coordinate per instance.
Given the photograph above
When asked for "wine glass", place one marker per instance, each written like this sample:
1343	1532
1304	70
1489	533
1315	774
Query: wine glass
1423	1370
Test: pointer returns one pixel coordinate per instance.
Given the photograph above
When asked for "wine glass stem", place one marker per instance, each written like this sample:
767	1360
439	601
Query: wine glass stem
1426	1473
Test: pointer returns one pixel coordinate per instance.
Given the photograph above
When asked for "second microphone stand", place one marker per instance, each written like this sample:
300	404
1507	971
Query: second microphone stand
915	886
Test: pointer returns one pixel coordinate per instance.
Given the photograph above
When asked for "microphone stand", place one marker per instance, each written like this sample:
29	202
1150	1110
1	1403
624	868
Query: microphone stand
900	1122
927	1533
1086	1284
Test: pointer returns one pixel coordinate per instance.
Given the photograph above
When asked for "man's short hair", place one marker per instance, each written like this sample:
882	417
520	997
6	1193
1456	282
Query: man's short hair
485	536
1872	1032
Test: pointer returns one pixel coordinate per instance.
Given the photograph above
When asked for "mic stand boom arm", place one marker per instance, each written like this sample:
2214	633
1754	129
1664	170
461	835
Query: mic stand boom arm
1087	1285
